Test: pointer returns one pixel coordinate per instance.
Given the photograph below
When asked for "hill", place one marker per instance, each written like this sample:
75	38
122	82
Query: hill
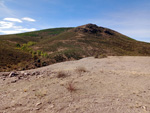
41	48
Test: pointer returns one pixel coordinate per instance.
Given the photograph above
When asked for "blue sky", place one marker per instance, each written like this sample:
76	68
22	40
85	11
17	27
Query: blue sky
130	17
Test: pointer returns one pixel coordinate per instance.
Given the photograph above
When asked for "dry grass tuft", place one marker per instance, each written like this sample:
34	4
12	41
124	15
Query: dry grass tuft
70	87
40	94
61	74
101	56
81	69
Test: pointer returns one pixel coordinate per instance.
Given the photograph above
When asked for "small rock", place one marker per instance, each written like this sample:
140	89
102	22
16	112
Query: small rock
144	107
13	74
39	103
37	108
52	106
19	77
14	81
36	73
25	74
5	75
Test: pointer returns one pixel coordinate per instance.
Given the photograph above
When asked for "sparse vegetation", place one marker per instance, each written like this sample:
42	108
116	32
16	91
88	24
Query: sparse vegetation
62	74
27	48
81	69
70	87
18	45
101	56
40	94
63	44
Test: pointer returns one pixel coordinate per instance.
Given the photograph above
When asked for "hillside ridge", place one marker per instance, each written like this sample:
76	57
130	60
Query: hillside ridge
44	47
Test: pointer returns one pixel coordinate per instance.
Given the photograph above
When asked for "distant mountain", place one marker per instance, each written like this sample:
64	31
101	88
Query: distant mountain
41	48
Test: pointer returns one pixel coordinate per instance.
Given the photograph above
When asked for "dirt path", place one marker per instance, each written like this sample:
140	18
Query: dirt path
89	85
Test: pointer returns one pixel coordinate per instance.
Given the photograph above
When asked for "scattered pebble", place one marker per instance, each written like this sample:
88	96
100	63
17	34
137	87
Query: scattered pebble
39	103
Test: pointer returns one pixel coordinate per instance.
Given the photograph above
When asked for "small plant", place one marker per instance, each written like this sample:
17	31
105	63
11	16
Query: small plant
102	56
18	45
70	87
81	69
45	55
40	94
96	55
30	43
61	74
39	53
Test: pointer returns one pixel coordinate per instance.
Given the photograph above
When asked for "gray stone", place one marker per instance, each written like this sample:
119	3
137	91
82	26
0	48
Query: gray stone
13	74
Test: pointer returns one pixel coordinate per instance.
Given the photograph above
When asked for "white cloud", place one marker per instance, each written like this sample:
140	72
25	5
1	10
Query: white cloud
5	25
13	20
14	31
10	26
28	19
8	32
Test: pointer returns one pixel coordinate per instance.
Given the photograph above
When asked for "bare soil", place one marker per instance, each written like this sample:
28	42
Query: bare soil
108	85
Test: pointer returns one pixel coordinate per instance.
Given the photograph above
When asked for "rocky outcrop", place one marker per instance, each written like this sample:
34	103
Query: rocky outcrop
88	28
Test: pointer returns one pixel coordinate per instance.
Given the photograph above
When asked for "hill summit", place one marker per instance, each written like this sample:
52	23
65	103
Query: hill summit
41	48
88	28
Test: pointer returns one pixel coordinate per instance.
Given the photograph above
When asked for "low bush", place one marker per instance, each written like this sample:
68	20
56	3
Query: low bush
61	74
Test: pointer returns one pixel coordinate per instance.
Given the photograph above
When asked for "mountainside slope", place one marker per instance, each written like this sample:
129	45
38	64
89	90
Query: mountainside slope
61	44
13	56
92	40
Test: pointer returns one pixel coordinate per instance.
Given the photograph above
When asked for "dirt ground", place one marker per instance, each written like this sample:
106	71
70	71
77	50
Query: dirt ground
108	85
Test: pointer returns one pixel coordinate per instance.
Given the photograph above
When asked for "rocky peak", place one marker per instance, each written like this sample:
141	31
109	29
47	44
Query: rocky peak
88	28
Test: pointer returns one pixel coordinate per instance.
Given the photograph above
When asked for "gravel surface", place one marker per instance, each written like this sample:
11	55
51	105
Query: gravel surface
109	85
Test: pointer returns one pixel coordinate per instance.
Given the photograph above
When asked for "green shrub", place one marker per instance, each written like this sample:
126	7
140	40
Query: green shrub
30	43
38	52
59	58
45	55
18	45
